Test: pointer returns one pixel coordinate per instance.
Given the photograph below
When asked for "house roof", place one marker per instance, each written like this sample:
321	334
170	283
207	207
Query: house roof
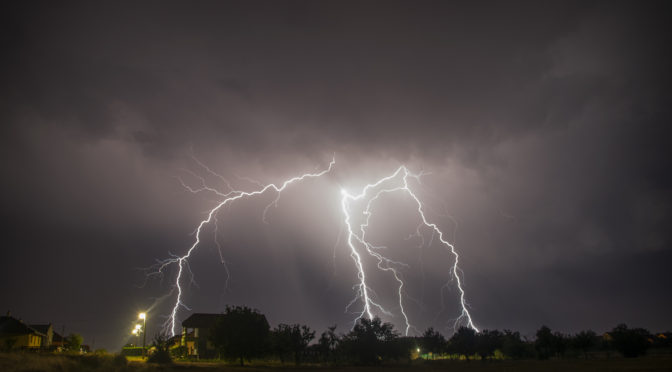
201	320
43	328
12	326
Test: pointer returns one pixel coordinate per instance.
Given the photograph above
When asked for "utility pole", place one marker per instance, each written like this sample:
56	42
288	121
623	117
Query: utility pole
143	316
144	336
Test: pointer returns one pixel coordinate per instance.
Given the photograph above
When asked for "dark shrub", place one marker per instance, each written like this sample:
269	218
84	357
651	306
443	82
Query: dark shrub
630	342
161	353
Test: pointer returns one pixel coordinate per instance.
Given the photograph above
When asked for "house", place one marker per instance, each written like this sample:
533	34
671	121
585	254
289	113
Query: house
15	334
57	341
48	331
196	332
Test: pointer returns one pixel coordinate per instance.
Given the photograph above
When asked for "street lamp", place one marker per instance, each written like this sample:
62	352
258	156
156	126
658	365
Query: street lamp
143	316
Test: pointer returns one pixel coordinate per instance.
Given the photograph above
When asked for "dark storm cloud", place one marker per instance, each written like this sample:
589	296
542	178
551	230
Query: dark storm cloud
546	127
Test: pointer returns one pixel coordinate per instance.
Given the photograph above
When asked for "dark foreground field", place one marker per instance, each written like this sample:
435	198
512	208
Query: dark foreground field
26	362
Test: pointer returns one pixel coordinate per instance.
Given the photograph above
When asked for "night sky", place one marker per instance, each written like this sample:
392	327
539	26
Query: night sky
544	127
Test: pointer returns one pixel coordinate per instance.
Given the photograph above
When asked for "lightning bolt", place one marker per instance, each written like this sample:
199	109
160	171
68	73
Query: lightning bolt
356	240
225	198
359	246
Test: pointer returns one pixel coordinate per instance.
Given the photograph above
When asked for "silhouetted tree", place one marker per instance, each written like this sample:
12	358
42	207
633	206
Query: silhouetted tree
487	342
545	343
291	339
328	343
279	343
432	341
560	343
161	353
73	342
398	348
368	339
630	342
463	342
584	341
513	346
241	333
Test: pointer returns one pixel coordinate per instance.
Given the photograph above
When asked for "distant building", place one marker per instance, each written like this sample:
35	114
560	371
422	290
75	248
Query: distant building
196	332
48	331
15	334
57	341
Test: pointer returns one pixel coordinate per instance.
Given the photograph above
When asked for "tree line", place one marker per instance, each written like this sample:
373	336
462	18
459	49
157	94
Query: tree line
242	334
468	344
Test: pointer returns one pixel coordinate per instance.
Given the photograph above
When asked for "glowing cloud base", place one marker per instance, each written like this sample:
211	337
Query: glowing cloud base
356	240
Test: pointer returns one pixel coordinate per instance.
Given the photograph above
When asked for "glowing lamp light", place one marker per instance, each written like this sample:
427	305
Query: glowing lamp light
142	316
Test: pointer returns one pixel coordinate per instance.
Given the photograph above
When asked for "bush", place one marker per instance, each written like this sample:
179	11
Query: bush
73	342
131	351
161	357
631	342
161	354
179	352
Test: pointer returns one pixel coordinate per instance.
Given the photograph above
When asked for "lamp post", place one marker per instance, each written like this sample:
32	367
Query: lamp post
136	334
143	316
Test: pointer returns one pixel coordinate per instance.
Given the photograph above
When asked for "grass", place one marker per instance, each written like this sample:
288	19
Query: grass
31	362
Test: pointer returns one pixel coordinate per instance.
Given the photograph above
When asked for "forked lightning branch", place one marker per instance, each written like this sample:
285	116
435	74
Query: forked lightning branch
356	220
